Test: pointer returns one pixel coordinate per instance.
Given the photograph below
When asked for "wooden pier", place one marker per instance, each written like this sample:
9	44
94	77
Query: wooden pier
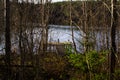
58	47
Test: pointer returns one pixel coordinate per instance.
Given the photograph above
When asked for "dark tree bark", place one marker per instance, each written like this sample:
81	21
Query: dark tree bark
21	12
72	26
114	20
7	37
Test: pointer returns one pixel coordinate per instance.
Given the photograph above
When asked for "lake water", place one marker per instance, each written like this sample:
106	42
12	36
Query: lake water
63	33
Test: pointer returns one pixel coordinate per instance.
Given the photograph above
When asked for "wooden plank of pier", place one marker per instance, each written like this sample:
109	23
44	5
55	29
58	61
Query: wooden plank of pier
58	47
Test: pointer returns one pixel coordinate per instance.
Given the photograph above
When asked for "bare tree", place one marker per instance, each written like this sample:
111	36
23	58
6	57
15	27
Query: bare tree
7	37
21	8
85	25
44	23
72	26
114	20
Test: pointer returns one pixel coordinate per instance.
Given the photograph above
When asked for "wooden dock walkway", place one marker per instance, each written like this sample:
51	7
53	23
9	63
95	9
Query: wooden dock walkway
58	47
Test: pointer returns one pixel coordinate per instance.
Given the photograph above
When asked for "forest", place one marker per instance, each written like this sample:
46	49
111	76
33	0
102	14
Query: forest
69	40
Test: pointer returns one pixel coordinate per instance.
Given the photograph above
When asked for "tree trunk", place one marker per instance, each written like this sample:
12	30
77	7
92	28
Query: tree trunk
22	60
113	36
72	26
7	37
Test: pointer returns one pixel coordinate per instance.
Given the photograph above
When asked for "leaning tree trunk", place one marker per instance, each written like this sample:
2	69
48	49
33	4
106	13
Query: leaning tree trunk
113	36
73	38
7	37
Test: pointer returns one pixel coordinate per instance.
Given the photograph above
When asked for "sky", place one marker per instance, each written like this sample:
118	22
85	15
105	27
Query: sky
52	0
57	0
61	0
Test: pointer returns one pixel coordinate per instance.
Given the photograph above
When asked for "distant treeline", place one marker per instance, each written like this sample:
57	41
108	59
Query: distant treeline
98	13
